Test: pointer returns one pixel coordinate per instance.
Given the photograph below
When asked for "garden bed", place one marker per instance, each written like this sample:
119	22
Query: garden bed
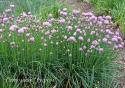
59	47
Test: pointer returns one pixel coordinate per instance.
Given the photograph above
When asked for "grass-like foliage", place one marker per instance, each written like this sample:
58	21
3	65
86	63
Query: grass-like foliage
75	50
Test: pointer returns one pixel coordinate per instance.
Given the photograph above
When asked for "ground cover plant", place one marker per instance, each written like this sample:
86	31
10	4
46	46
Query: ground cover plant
74	50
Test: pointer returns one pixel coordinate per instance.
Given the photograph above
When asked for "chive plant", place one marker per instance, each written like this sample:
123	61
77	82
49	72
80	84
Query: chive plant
72	51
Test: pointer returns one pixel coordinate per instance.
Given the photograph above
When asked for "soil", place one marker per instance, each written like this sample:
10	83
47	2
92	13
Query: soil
77	4
87	7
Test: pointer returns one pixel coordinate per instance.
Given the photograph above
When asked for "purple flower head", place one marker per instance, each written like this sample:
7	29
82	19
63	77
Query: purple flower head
80	49
99	23
78	30
72	39
108	17
105	40
65	14
5	19
13	27
120	46
88	40
21	30
106	22
92	46
116	47
95	42
88	14
69	28
1	30
62	21
92	32
80	38
84	47
48	33
76	12
101	50
32	39
114	39
120	38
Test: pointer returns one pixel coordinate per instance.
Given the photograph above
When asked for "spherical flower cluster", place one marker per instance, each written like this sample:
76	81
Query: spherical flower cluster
61	21
76	12
13	27
71	39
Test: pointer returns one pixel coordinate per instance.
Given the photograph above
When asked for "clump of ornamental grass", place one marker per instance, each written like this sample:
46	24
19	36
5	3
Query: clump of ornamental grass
75	50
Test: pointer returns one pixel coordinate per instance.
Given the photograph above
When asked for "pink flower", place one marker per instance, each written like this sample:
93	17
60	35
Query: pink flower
92	47
88	40
106	22
115	47
92	32
47	33
1	30
122	43
78	30
109	42
101	50
88	14
69	28
64	13
117	33
95	42
80	38
32	39
93	18
80	49
47	24
53	31
62	21
105	40
120	46
120	39
5	19
21	30
24	14
115	39
72	39
84	47
76	12
13	27
99	23
108	17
